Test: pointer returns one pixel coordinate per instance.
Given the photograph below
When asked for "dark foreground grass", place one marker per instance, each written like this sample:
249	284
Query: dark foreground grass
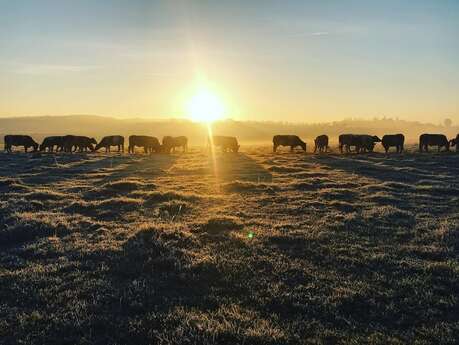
275	249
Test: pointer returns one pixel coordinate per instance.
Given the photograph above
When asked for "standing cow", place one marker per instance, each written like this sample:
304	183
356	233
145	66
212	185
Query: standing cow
148	143
321	143
439	140
226	143
288	140
112	140
19	140
170	143
346	141
393	140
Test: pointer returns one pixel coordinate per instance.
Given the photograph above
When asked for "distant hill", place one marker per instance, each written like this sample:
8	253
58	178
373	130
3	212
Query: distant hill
246	131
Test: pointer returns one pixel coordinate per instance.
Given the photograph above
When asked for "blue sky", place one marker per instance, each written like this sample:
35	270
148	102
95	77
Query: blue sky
267	60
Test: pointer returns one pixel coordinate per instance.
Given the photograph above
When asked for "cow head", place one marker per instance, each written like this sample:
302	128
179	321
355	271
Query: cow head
93	141
303	146
376	139
453	142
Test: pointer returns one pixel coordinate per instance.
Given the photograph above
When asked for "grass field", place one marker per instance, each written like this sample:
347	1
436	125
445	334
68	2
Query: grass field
253	248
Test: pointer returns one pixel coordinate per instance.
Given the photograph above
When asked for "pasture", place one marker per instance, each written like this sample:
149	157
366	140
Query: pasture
248	248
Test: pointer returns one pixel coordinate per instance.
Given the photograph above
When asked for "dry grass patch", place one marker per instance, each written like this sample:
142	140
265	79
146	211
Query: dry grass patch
220	225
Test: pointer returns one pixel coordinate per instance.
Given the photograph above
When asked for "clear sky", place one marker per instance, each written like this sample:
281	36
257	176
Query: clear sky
308	61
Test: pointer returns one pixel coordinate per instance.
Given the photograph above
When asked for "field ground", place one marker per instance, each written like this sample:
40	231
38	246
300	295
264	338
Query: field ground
253	248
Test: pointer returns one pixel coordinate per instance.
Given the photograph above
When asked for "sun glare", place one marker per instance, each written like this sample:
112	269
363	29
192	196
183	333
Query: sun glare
205	106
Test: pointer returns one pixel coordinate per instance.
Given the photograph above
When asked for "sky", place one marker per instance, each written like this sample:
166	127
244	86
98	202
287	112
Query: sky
299	61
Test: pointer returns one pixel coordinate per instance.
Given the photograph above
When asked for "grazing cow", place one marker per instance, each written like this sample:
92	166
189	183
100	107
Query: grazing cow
439	140
367	142
19	140
321	143
288	140
50	142
73	142
148	143
361	142
393	140
170	143
112	140
226	143
455	142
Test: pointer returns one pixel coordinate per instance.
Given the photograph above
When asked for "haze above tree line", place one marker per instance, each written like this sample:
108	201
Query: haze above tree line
246	131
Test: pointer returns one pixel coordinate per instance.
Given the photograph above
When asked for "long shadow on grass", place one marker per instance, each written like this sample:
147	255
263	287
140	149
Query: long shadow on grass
135	295
46	169
144	166
391	169
239	167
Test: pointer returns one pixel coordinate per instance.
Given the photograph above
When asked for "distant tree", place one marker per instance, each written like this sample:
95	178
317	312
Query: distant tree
447	122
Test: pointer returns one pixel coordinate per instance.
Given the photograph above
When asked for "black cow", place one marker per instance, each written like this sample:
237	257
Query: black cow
321	143
111	140
51	142
455	142
170	143
226	143
148	143
393	140
288	140
439	140
73	142
361	142
19	140
346	141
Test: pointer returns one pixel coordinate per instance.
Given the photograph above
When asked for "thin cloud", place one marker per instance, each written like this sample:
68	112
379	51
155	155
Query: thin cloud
43	69
312	34
319	33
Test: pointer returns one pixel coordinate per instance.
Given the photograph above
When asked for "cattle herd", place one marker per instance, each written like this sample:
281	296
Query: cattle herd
358	143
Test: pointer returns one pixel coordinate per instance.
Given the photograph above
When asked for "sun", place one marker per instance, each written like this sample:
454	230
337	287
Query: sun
205	106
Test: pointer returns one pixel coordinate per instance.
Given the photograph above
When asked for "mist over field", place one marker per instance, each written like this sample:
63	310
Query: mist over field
247	132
